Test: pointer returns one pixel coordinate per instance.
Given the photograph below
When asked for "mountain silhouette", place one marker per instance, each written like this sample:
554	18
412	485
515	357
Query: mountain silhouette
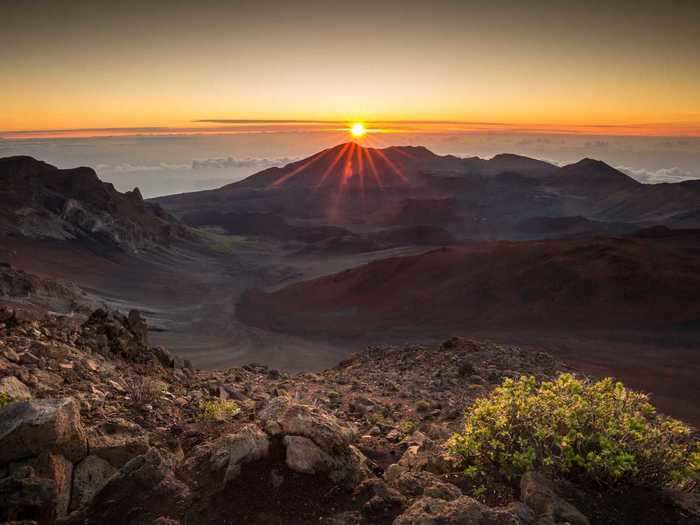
38	200
364	189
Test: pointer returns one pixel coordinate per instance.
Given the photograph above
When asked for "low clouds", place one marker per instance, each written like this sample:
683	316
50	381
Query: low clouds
231	162
126	167
656	176
255	163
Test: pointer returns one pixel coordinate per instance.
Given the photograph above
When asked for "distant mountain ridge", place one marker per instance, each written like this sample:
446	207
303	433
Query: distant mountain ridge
361	189
38	200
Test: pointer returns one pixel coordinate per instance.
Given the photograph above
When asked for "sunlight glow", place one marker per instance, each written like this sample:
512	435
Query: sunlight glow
358	129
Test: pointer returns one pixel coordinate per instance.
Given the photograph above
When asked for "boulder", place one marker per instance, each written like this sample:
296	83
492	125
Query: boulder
89	476
142	491
37	487
163	356
383	502
138	327
413	484
28	428
432	511
23	495
229	452
538	493
117	441
303	455
460	511
60	471
14	389
315	441
283	416
418	457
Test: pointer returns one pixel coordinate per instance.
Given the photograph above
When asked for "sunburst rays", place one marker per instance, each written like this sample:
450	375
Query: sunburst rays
358	165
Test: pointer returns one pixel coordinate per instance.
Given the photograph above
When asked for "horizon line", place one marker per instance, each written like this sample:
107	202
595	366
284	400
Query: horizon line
388	126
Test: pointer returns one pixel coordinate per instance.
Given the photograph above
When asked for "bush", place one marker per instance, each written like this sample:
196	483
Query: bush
577	429
406	426
422	406
5	399
219	410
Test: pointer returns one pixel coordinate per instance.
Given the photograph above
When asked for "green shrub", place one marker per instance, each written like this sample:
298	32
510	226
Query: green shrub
422	406
5	399
219	410
406	426
574	428
378	418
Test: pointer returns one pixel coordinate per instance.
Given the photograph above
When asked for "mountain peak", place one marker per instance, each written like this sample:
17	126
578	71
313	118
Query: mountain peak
593	169
349	165
510	156
418	151
588	161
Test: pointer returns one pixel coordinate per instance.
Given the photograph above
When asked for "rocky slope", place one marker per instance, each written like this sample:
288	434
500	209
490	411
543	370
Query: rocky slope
102	428
38	200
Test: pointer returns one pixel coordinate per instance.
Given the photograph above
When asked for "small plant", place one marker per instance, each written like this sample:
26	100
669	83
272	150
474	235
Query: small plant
144	390
575	428
5	399
406	426
422	406
218	410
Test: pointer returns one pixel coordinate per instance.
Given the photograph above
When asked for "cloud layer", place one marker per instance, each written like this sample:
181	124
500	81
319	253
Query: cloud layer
231	162
656	176
257	163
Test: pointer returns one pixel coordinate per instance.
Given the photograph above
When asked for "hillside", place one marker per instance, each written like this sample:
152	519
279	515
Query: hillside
39	201
644	280
99	427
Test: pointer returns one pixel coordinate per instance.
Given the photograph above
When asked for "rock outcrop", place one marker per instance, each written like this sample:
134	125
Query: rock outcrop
38	200
29	428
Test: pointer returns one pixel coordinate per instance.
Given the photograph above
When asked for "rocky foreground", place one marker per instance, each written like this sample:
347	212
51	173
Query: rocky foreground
98	427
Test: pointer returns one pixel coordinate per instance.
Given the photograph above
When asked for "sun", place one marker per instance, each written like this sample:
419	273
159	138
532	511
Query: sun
358	129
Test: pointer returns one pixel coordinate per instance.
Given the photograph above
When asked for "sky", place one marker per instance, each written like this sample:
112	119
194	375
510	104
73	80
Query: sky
180	95
75	64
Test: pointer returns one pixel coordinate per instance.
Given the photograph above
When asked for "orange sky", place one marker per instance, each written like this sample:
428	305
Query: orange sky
548	66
